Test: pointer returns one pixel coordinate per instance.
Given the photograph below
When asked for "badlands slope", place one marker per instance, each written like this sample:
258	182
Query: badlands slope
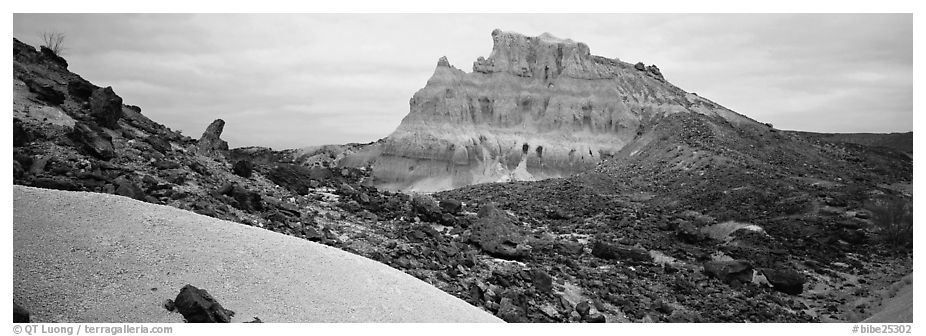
88	257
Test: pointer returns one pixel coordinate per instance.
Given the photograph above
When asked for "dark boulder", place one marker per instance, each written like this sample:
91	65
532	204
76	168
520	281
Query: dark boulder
243	168
211	141
106	107
158	144
542	281
45	90
689	233
640	66
596	318
510	312
80	89
199	168
197	306
295	178
427	208
18	170
568	247
852	236
583	308
785	281
620	252
20	135
165	164
57	183
20	314
92	140
243	199
53	57
127	188
557	213
729	270
513	306
654	70
451	206
496	233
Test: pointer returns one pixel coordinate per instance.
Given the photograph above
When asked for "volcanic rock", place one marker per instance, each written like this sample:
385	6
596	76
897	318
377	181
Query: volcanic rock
510	312
730	270
243	168
211	141
128	188
583	308
619	252
451	206
56	182
243	199
18	170
496	234
106	107
80	89
596	318
785	281
689	233
20	314
45	90
53	57
93	140
197	306
20	135
542	281
158	144
427	208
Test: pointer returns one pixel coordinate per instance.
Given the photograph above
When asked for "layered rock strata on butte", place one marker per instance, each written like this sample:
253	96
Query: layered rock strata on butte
536	108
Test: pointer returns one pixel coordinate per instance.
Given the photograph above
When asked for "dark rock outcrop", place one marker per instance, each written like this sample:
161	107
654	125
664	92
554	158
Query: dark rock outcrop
20	135
57	183
785	281
542	281
451	206
106	107
426	207
496	234
53	57
197	306
158	144
630	254
297	179
689	233
93	140
242	198
243	168
45	90
728	271
128	188
80	90
211	141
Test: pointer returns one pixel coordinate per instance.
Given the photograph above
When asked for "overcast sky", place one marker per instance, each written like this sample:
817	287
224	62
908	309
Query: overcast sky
293	80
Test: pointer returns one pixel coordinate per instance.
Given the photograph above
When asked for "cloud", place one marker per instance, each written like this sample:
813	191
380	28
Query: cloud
289	80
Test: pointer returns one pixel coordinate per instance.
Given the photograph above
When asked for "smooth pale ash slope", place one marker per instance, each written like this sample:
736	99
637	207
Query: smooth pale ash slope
898	309
87	257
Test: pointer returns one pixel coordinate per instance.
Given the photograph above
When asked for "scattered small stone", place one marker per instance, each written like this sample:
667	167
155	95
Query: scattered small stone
20	314
197	306
596	318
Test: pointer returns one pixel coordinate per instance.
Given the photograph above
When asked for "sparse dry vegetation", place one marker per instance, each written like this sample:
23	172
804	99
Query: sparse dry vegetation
894	217
54	41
